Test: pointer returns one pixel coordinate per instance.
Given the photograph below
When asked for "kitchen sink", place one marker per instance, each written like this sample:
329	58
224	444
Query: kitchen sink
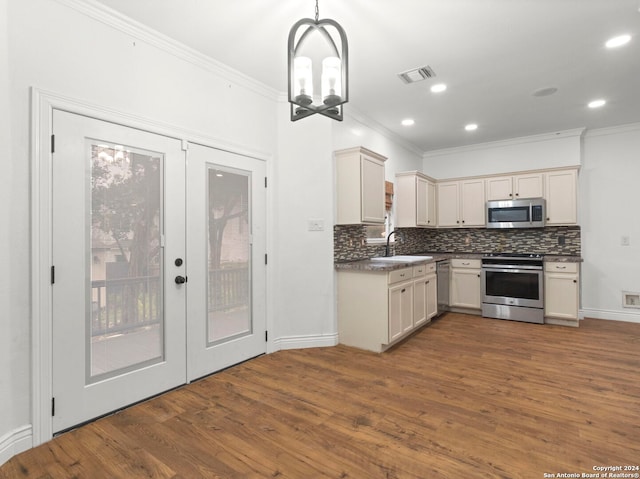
402	259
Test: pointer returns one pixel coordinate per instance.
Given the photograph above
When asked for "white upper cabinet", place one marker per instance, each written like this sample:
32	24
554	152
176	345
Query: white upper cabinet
529	185
461	203
415	200
561	195
359	187
472	202
448	204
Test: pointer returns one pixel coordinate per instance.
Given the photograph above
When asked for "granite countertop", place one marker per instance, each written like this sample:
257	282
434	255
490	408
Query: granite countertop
381	266
563	259
374	266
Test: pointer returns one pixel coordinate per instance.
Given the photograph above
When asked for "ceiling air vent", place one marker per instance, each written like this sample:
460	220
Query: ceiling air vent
417	74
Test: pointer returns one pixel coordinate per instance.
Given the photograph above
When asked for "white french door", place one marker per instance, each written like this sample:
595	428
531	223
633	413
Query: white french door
155	279
226	244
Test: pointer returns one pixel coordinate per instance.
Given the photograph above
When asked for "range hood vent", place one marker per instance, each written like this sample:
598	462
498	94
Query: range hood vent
417	74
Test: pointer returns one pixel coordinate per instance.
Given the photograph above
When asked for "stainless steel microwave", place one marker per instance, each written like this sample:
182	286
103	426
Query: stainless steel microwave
521	213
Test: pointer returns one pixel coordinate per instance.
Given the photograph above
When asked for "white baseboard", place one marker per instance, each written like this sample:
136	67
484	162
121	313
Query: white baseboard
611	315
308	341
15	442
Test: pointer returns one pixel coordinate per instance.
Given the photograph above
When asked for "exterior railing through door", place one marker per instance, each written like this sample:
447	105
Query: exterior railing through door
124	304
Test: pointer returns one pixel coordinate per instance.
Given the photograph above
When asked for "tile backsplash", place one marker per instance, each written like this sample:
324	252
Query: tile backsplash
349	241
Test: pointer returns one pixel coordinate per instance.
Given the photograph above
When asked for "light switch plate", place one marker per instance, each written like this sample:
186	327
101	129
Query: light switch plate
316	225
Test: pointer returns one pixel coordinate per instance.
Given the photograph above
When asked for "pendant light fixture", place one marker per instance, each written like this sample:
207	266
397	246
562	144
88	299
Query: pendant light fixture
318	68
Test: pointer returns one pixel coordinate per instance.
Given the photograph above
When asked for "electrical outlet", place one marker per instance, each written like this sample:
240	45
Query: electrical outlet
624	240
630	299
561	240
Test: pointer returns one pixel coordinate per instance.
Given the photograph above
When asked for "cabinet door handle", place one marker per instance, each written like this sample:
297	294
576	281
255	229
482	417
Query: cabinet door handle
466	264
478	276
561	267
402	275
517	194
510	194
403	290
463	221
575	280
426	282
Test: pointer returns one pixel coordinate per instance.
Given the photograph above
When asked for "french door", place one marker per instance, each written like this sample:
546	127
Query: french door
226	246
125	325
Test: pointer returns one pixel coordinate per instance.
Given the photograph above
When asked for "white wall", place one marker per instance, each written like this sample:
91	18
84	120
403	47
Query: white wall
13	332
520	154
303	183
609	205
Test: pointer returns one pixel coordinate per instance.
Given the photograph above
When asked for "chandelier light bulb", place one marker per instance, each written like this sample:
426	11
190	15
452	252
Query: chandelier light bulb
331	85
303	74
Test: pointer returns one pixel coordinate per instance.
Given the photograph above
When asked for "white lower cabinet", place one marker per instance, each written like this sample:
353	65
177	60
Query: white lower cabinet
561	293
465	284
400	310
377	309
425	294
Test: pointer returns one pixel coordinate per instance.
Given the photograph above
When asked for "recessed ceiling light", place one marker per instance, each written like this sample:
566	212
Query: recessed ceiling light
408	122
618	41
596	103
471	127
438	87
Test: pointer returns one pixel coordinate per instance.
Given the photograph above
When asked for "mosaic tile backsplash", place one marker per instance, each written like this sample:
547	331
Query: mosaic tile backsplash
349	241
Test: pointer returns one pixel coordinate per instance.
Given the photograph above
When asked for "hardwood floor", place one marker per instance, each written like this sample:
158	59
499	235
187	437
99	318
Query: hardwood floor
465	397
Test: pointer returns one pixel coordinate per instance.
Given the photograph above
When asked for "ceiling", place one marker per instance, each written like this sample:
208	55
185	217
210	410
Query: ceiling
492	55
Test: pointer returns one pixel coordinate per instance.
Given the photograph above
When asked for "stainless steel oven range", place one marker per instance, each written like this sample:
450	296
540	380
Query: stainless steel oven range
512	287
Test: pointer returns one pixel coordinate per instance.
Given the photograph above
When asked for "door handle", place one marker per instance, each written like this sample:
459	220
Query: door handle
181	279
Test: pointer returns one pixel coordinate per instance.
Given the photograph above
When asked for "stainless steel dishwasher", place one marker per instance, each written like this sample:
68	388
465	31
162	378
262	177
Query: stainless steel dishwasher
443	269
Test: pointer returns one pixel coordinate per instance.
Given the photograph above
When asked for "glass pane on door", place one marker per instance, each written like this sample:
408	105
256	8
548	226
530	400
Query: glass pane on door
125	278
229	255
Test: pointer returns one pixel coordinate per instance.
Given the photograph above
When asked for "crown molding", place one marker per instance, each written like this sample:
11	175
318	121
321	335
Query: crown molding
613	130
103	14
576	132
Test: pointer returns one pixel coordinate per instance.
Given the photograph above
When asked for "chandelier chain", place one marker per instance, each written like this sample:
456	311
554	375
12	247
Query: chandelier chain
317	12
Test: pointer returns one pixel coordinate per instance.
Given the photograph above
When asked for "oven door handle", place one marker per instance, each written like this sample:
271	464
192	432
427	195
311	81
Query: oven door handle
512	269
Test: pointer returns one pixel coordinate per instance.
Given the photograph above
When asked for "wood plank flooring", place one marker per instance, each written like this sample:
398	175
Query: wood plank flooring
465	397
